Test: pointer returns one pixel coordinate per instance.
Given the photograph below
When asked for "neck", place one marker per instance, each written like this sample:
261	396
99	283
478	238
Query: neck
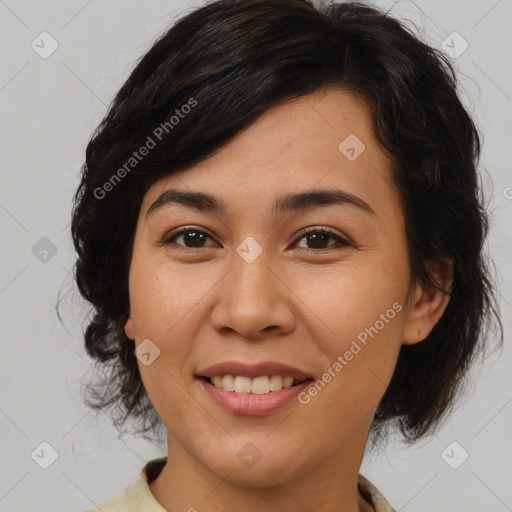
331	486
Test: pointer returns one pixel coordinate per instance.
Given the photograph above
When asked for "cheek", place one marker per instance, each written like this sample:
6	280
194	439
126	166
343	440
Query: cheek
353	296
361	312
162	308
162	297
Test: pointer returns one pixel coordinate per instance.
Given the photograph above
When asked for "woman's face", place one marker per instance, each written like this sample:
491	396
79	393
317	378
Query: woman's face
248	285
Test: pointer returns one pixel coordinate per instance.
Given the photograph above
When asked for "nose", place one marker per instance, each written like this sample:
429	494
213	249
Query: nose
253	300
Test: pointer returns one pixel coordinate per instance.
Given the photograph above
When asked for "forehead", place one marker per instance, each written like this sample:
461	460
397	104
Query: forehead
323	140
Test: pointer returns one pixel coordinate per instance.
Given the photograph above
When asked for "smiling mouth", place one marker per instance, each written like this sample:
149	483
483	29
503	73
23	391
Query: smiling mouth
261	385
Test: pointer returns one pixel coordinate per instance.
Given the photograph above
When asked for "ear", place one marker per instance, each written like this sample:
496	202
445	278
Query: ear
129	329
428	302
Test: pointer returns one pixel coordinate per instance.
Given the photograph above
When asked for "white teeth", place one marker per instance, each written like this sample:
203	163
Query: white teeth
260	385
242	384
276	383
257	386
227	383
287	382
217	380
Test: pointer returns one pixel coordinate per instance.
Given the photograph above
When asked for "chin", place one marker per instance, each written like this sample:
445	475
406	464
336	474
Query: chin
250	467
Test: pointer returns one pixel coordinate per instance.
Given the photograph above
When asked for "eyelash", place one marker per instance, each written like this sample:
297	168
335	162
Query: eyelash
342	242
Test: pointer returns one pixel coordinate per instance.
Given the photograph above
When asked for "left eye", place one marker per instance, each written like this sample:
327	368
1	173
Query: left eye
317	237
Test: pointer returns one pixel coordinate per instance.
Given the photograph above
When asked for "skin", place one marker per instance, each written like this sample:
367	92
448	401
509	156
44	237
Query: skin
202	304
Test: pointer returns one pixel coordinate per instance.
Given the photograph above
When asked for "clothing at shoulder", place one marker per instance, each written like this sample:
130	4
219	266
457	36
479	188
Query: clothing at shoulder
373	495
138	496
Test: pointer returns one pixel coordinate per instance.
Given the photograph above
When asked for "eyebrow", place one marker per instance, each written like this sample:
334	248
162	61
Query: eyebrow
284	205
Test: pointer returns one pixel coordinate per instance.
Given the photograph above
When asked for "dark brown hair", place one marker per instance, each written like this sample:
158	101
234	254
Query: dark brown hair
234	59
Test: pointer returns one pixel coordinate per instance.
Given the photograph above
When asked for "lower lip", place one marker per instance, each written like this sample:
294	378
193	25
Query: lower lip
253	405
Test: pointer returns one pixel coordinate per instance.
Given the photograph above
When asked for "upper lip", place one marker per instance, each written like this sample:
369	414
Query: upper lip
253	370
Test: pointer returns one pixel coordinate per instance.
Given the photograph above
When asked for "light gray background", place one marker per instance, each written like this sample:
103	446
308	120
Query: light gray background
49	108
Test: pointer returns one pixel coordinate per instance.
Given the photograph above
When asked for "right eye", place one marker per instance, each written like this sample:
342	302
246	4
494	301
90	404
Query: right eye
191	235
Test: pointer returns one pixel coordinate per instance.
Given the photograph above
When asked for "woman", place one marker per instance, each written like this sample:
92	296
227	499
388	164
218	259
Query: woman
280	227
